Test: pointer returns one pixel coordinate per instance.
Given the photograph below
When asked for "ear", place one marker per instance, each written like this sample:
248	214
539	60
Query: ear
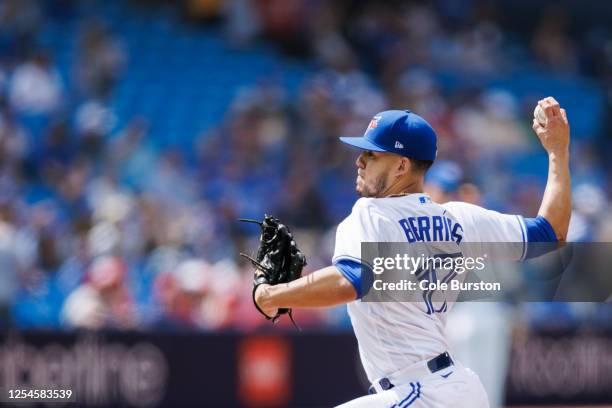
403	167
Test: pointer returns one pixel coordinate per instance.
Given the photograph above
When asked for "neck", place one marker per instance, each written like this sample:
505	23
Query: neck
404	187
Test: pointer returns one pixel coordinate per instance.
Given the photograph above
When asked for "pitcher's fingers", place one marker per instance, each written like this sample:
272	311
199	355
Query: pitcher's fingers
564	115
555	105
550	106
546	106
536	125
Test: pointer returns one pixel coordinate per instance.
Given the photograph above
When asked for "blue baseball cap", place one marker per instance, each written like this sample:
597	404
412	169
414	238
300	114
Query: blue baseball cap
398	131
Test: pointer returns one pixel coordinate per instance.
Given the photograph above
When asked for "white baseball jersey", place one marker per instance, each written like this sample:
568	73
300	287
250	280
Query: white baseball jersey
394	335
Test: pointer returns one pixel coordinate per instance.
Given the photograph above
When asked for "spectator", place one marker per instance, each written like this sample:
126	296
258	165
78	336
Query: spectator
103	300
100	61
36	86
197	294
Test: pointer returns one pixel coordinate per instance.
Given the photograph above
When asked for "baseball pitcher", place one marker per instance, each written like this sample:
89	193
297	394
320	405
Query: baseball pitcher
402	345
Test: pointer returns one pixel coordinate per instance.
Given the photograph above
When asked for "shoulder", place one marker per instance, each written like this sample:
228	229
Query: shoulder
472	211
487	225
366	215
461	206
363	204
371	207
465	211
360	210
369	211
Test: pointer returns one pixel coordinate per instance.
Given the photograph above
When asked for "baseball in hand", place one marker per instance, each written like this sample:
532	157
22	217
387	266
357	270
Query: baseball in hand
539	115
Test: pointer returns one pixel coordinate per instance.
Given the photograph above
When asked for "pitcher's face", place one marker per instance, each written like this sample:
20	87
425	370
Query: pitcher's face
373	170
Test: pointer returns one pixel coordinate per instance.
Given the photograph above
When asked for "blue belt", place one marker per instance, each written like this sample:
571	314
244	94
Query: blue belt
438	363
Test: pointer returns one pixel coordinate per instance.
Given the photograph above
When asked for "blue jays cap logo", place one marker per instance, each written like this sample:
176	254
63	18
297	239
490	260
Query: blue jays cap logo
373	123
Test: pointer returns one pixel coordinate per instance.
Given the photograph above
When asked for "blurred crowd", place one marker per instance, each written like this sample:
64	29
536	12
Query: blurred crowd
99	227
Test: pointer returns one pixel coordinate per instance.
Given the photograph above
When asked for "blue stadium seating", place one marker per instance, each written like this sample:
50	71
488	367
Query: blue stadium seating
182	77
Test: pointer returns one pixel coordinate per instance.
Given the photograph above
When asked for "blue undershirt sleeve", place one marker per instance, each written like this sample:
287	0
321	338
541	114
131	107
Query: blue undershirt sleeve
539	231
361	277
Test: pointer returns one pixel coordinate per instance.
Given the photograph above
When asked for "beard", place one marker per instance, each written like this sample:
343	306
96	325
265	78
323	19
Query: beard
373	189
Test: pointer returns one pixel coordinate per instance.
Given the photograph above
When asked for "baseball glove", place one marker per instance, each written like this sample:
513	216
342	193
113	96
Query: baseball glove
278	259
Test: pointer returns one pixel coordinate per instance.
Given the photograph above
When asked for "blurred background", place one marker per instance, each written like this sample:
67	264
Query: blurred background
134	134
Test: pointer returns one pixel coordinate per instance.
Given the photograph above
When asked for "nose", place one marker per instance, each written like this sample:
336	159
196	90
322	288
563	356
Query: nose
360	162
